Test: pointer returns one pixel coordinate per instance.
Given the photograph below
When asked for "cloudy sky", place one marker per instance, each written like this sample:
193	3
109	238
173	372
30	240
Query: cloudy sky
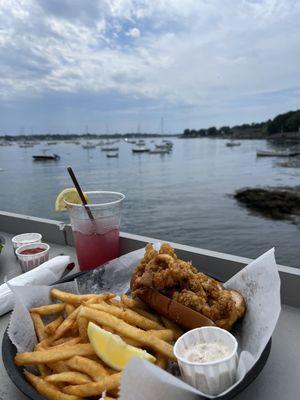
114	64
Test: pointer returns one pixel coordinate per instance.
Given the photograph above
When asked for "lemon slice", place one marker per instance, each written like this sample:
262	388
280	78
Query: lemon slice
112	349
70	195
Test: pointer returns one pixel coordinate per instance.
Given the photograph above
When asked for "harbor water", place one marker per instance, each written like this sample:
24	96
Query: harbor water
185	196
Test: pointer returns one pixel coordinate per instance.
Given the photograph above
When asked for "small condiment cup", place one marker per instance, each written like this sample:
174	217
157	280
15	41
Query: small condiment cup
30	261
211	378
26	238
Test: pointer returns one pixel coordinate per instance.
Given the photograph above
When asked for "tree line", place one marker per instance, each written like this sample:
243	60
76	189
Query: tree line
282	123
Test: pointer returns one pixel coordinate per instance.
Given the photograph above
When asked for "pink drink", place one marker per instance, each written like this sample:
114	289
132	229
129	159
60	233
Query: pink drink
96	249
96	228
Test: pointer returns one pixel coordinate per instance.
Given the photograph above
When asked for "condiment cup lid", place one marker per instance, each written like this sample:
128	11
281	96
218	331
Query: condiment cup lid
32	246
205	334
26	238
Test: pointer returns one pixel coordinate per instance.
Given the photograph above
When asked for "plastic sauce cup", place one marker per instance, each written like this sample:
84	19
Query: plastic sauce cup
26	238
30	261
211	378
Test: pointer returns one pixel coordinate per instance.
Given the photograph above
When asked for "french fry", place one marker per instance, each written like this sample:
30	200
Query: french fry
161	361
115	302
69	309
49	309
108	329
75	378
177	332
133	303
48	356
128	315
59	366
69	342
96	388
66	325
38	326
144	337
46	389
131	342
82	328
43	369
77	299
163	334
147	314
52	326
64	340
92	368
99	298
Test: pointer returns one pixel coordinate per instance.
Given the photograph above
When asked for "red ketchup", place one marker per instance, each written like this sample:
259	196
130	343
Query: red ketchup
36	250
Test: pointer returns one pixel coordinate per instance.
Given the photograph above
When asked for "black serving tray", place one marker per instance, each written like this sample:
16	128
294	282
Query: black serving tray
16	373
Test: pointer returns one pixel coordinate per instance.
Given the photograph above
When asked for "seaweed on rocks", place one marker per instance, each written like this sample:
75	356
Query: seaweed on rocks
274	202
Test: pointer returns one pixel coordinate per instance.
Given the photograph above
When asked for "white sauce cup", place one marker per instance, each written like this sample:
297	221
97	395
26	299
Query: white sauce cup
210	378
26	238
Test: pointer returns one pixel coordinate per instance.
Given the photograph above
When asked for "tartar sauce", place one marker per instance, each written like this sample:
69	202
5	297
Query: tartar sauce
206	352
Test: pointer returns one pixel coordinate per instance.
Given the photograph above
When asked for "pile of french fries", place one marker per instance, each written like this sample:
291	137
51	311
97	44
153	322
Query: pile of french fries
68	367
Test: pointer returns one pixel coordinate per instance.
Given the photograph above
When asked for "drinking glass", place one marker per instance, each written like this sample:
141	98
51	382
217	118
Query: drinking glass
96	228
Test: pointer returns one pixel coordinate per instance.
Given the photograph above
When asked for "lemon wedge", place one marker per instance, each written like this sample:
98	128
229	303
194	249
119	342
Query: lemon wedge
112	349
70	195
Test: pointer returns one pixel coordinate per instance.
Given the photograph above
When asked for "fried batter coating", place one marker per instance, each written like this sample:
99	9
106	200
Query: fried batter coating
182	282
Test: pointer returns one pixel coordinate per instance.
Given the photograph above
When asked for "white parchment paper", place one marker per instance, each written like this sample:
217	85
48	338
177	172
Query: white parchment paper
45	274
259	283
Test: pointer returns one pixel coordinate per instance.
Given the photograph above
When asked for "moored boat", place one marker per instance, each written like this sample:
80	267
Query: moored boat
112	155
140	149
233	143
277	153
110	148
46	157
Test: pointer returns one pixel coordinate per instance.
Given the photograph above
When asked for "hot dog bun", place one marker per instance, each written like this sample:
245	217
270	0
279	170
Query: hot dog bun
182	315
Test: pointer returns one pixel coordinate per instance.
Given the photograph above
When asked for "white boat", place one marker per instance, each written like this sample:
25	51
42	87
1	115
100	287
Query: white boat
129	141
164	146
233	143
140	149
88	145
277	153
159	151
25	145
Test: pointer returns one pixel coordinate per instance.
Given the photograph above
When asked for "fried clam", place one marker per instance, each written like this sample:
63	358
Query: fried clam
180	281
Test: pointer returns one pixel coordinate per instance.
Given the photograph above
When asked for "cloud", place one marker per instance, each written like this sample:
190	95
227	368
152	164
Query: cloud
134	32
208	61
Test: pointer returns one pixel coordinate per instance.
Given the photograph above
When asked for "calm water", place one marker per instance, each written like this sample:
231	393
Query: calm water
183	197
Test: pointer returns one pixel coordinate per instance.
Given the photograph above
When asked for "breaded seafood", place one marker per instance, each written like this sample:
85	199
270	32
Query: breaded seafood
182	282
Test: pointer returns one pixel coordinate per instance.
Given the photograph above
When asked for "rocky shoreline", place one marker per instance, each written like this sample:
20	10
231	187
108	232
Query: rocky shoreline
272	202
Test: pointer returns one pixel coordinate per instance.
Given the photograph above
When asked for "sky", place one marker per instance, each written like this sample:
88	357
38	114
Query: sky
122	65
